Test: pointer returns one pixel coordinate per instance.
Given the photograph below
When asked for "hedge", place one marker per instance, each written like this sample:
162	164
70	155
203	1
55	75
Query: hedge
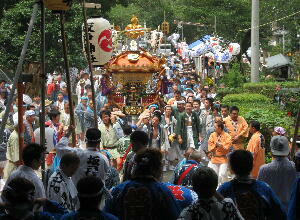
222	92
247	98
289	98
269	88
271	85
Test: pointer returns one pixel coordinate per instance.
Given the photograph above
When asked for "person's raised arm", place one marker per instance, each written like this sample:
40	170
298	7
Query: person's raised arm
62	146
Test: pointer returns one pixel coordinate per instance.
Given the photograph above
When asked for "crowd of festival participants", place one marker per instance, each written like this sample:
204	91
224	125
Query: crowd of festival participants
118	170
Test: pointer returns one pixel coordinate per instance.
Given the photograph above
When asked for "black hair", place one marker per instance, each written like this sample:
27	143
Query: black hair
205	182
177	92
220	124
225	106
105	112
93	136
197	100
139	136
69	159
19	190
127	129
241	162
53	113
215	108
32	152
234	108
168	106
210	100
189	103
139	140
148	163
157	114
89	197
255	124
88	87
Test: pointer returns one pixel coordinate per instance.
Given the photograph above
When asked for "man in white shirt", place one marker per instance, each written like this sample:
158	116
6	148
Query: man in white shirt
60	103
32	156
50	137
12	151
61	188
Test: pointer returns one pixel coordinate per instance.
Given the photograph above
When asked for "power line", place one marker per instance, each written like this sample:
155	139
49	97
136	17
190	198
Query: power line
279	19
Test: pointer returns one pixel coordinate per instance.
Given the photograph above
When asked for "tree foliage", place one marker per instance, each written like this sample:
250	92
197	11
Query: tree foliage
231	18
13	29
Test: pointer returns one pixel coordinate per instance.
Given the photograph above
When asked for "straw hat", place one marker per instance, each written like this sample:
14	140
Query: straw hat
48	102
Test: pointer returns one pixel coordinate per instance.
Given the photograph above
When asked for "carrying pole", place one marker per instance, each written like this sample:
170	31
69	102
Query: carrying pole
20	92
65	54
43	84
8	79
88	52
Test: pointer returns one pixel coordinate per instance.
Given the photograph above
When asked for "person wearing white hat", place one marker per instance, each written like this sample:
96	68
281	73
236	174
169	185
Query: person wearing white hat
29	127
12	153
280	174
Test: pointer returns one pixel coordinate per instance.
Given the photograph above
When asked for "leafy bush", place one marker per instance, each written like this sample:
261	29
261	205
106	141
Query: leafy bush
246	98
289	99
269	117
234	78
268	88
222	92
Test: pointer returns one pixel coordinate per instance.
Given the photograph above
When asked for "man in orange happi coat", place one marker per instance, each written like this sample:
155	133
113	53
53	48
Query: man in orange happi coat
219	144
256	147
237	127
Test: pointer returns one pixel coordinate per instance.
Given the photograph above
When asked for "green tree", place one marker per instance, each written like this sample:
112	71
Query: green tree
280	11
231	16
13	29
152	12
5	4
120	15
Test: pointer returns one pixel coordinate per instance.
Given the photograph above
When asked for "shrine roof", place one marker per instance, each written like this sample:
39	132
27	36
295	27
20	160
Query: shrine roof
134	61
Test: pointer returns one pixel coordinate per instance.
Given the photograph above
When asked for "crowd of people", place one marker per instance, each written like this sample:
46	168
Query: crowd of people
188	157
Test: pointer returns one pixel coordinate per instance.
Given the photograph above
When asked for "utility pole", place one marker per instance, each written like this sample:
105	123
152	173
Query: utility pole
283	40
255	54
182	32
215	26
